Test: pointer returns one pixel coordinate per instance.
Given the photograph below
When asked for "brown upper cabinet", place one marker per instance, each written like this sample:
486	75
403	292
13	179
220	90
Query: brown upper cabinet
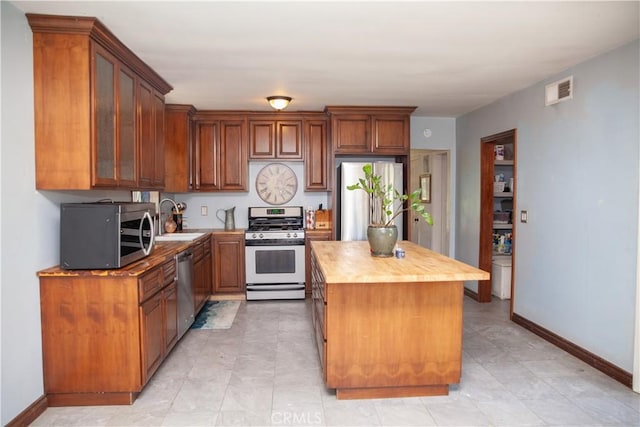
220	153
99	110
275	139
205	151
351	133
116	155
210	150
151	123
367	130
317	155
179	137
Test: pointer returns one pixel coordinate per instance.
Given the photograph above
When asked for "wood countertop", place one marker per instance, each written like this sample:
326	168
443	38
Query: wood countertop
161	253
351	262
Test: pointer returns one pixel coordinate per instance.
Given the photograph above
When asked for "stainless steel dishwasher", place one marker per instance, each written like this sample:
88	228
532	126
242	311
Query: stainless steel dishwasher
186	315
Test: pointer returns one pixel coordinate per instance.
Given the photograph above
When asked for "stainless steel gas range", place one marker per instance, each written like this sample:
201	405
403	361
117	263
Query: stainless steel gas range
274	252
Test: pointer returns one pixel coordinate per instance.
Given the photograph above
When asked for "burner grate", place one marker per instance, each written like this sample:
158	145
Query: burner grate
273	224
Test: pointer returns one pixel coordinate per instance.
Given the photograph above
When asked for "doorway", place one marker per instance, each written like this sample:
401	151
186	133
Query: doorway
432	166
498	186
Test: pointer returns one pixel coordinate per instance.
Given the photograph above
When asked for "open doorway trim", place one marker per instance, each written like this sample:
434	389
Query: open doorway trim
636	346
487	145
438	186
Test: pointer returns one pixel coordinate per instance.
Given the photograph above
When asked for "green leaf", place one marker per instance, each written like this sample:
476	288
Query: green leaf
386	197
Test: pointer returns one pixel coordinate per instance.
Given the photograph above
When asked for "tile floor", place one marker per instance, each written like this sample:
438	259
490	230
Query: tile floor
264	371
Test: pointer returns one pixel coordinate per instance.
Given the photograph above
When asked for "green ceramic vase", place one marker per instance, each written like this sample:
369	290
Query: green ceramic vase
382	239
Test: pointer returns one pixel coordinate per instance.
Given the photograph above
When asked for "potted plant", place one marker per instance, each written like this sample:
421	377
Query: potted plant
387	204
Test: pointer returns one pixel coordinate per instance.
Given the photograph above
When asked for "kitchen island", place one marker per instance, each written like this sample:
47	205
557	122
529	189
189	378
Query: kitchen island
388	327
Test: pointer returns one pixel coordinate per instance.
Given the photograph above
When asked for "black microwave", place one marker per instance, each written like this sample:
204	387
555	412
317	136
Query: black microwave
105	235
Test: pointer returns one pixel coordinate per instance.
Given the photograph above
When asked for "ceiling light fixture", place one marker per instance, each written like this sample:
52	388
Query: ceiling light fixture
279	102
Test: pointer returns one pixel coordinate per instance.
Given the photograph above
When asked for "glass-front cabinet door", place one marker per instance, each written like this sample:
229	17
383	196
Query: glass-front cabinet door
126	171
114	132
104	131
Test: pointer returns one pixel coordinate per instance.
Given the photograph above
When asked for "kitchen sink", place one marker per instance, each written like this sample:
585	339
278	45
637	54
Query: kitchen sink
172	237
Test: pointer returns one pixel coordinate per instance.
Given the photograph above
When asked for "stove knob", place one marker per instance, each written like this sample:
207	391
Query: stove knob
295	235
261	235
288	235
254	235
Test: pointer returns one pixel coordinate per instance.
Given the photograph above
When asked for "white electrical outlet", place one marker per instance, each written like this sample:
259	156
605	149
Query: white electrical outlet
204	210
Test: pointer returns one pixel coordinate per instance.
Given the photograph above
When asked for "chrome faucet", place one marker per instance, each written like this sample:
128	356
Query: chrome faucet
160	213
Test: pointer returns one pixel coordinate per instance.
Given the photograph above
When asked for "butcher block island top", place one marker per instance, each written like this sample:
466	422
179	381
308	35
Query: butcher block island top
388	327
351	262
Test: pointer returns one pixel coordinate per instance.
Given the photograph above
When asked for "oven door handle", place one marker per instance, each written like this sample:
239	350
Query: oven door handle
274	286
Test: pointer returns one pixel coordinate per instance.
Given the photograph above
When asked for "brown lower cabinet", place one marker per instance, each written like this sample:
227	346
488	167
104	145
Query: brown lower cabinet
201	273
309	236
229	266
103	336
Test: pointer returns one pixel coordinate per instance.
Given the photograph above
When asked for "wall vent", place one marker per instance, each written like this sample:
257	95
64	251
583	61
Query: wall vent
559	91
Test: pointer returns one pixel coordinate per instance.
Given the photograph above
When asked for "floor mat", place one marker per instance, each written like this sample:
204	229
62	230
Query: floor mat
216	315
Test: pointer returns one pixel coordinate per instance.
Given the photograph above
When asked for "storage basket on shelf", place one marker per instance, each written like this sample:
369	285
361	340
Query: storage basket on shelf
501	217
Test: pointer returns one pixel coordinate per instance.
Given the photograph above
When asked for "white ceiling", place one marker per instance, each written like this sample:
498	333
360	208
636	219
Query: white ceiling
446	58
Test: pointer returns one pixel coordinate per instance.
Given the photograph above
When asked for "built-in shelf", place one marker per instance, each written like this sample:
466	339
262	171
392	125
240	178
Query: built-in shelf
502	226
500	255
507	194
503	162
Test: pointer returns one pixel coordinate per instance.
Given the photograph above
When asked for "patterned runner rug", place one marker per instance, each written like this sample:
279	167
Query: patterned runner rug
216	315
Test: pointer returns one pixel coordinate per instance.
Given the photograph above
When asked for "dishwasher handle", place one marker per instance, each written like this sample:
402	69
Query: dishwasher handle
184	256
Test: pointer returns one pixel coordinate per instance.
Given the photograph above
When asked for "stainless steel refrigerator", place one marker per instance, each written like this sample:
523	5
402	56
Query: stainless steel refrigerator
354	206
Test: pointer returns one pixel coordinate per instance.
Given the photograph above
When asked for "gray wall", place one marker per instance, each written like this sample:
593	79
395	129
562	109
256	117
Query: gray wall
577	166
26	229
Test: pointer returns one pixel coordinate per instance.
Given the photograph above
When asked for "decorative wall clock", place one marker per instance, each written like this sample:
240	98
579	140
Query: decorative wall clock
276	183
